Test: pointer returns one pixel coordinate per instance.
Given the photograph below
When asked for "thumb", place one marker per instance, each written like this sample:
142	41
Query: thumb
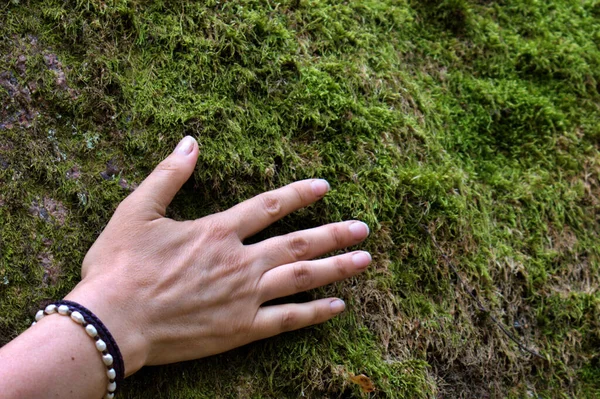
157	191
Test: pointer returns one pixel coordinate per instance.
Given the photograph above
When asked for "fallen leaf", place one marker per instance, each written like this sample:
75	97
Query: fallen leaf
366	385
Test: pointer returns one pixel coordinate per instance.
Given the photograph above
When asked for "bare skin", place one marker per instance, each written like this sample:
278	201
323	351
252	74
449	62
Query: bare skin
171	291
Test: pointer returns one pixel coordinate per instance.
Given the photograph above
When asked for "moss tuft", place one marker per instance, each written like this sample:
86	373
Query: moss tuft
478	119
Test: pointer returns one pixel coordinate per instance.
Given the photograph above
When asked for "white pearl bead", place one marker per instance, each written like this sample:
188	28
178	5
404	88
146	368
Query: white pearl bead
91	330
107	359
111	373
109	395
39	315
50	309
100	345
33	324
77	317
63	309
111	386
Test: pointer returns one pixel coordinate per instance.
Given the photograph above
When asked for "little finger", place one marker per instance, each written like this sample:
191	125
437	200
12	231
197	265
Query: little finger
274	320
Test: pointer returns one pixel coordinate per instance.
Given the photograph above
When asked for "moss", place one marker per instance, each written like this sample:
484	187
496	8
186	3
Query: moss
475	118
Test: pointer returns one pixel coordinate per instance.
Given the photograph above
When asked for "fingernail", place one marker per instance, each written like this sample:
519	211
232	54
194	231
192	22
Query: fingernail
185	146
359	230
337	306
361	259
319	187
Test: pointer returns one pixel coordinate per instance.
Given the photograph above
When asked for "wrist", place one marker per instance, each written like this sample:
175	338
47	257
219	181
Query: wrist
108	306
54	358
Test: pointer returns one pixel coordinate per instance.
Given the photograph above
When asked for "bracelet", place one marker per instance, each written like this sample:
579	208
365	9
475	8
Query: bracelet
105	343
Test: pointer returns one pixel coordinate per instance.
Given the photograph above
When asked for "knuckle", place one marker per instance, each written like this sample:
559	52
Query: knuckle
340	268
240	327
299	194
289	320
124	208
338	236
316	317
234	261
131	209
303	276
167	166
272	205
298	247
216	229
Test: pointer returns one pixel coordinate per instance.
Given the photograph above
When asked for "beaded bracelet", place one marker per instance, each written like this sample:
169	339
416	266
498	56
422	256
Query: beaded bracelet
105	343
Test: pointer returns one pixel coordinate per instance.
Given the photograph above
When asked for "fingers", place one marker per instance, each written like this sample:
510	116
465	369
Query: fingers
257	213
308	244
157	191
273	320
301	276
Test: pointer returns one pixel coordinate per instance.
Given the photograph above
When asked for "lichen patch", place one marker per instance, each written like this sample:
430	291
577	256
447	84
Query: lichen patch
49	210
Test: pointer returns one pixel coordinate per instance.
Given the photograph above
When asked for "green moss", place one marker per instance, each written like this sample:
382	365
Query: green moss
477	119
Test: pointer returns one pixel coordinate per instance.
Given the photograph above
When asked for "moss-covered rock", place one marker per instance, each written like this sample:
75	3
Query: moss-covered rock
477	119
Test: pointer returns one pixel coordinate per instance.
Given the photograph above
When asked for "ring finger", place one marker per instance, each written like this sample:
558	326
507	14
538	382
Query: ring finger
305	275
308	244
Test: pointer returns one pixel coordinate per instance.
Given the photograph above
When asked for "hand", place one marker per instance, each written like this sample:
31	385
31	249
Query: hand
171	291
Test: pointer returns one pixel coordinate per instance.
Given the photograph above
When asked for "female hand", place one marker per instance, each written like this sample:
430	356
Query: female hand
171	291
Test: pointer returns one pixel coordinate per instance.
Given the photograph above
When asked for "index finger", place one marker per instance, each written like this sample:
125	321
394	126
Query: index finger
257	213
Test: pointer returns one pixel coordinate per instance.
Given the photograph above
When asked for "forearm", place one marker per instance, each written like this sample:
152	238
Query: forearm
55	358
